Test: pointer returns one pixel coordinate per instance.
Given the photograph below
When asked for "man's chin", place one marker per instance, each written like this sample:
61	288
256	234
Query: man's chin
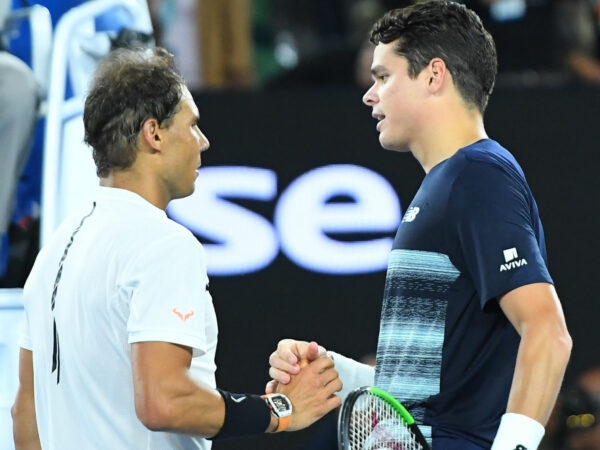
394	146
184	194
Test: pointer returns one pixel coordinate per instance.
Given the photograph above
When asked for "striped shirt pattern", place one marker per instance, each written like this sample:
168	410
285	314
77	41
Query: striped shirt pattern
411	337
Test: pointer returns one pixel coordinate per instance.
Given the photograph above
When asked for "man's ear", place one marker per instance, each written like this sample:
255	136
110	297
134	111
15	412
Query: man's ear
151	134
437	74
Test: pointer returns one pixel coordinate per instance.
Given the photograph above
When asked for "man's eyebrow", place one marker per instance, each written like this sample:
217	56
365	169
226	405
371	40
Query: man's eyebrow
376	70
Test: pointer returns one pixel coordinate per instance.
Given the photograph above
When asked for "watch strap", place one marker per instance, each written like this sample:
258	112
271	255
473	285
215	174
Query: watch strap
282	422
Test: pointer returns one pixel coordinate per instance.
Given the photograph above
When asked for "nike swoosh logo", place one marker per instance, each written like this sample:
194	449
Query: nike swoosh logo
239	399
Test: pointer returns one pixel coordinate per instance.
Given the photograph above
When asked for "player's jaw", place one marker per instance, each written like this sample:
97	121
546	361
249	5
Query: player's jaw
390	134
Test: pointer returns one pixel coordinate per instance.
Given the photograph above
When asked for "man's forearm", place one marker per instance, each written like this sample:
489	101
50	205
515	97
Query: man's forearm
539	372
25	432
541	363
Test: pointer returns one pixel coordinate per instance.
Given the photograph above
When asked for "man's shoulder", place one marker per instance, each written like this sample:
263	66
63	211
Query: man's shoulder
487	161
488	151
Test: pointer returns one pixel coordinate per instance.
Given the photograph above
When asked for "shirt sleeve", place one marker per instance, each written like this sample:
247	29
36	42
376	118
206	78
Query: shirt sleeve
168	290
499	231
24	335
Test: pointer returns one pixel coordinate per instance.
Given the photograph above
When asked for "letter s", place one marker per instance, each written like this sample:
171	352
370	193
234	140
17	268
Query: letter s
242	241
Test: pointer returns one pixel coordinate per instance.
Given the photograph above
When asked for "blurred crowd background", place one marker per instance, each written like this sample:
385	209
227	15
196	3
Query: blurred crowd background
275	43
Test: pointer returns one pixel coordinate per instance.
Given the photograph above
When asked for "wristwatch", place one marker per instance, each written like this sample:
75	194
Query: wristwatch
281	407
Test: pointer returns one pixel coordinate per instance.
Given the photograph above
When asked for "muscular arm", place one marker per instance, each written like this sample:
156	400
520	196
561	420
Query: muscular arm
167	399
23	411
535	312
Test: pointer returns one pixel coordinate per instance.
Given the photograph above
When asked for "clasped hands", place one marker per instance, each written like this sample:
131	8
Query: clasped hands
306	375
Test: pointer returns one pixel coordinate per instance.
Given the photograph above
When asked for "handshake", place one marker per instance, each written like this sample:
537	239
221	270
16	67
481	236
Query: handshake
306	375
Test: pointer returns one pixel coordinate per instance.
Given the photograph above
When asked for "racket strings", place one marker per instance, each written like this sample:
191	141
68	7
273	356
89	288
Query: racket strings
375	425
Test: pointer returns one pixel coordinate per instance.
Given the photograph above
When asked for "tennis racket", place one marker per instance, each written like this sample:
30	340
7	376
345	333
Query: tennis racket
371	419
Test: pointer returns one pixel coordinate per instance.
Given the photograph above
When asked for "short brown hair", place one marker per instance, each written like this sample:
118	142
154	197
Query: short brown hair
130	86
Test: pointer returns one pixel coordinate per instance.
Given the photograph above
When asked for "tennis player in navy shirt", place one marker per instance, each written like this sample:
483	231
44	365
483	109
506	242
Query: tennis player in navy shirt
472	335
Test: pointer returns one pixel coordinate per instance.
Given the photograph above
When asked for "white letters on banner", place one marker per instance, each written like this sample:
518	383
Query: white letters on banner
318	206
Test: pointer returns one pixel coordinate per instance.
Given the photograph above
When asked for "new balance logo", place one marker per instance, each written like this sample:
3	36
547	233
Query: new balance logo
512	261
411	214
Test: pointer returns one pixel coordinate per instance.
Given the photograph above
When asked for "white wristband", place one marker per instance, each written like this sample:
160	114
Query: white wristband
352	373
518	432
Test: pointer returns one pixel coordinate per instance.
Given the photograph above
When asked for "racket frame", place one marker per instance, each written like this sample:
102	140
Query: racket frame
348	407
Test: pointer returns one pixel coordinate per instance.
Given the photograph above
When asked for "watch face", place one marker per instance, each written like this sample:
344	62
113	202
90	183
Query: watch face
281	403
282	406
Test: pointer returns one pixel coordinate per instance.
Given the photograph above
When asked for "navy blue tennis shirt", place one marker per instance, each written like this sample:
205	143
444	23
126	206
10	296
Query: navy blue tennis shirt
446	350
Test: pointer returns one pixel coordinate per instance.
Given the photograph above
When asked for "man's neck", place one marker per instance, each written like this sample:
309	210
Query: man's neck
132	181
445	136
